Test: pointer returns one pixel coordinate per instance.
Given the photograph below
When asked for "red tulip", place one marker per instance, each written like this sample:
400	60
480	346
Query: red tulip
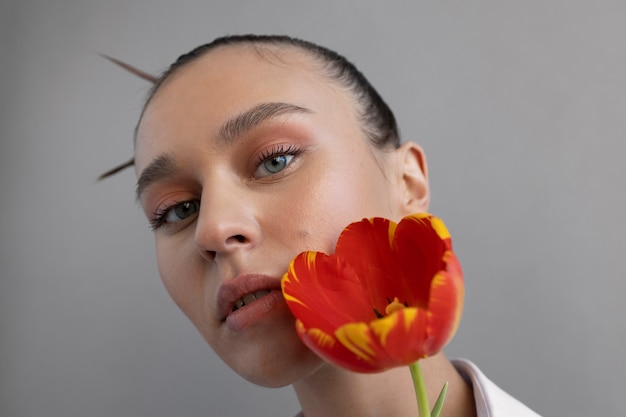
390	295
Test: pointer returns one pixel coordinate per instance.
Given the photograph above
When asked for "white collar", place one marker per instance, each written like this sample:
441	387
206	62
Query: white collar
491	400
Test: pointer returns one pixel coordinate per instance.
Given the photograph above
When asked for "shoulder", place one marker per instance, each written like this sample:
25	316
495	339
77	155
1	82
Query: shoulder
491	400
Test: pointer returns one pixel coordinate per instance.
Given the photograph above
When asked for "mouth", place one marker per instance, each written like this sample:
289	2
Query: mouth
242	293
249	298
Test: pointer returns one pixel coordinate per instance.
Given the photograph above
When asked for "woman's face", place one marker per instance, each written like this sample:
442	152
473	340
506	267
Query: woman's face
243	163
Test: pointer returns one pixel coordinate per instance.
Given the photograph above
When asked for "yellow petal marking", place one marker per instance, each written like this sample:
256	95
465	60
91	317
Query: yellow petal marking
354	336
392	232
310	260
322	339
440	227
410	314
382	327
293	299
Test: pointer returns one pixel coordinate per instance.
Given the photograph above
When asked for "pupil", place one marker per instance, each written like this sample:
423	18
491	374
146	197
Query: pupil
184	210
276	164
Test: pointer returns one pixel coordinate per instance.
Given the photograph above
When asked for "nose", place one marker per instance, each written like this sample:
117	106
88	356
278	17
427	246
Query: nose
226	223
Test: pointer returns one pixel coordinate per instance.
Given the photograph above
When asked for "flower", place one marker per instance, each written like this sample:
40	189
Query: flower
390	295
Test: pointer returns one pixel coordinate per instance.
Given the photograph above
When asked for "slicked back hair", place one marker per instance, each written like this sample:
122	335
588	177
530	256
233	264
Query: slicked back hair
378	121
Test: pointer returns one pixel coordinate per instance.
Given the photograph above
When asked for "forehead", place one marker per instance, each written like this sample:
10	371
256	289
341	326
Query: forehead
232	79
243	63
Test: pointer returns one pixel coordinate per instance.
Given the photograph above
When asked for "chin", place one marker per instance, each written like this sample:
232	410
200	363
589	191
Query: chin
284	365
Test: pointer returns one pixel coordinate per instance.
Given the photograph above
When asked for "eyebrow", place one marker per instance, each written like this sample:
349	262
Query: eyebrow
248	120
163	166
234	128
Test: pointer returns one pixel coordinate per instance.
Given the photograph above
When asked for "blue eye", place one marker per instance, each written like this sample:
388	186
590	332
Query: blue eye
276	160
277	163
175	213
182	211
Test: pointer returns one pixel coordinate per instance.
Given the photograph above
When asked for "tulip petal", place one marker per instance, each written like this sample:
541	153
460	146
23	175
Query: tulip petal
446	305
402	335
324	291
420	255
356	337
334	352
368	246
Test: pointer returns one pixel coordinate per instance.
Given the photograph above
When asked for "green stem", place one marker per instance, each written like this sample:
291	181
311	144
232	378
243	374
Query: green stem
438	407
420	389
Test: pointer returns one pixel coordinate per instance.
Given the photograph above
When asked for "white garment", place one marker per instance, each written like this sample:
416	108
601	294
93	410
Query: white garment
491	401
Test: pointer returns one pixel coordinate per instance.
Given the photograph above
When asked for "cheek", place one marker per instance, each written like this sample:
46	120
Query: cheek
181	276
308	218
324	205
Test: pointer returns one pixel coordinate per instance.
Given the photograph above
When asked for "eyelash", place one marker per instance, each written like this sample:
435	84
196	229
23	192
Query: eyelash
158	219
278	150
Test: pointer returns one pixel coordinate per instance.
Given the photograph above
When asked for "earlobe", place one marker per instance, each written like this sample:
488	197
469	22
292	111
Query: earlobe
414	178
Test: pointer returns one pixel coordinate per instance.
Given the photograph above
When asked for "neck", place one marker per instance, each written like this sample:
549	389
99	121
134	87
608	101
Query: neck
331	391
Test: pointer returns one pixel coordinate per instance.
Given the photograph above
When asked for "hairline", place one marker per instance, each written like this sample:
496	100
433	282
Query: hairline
272	53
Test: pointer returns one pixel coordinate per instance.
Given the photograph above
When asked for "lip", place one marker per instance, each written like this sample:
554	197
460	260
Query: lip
234	289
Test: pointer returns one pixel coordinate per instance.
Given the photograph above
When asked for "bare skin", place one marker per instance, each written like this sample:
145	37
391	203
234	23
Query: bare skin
233	201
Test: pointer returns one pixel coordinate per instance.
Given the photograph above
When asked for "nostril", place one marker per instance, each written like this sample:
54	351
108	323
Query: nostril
240	238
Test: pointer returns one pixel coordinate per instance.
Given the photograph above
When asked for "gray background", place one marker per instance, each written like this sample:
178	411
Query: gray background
521	107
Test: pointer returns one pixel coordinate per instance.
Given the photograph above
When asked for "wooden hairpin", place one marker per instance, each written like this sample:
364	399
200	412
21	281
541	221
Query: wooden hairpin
141	74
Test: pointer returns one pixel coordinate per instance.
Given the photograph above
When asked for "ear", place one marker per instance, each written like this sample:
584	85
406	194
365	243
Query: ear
414	178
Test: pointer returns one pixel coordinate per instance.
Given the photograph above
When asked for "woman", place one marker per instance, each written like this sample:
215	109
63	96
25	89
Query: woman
250	150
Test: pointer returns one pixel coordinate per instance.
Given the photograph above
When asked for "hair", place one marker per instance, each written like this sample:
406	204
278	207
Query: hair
378	121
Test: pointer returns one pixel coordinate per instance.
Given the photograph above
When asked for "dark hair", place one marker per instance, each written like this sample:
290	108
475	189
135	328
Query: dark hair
378	121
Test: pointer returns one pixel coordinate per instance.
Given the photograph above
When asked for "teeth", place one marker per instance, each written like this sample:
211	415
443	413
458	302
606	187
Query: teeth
248	298
261	293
